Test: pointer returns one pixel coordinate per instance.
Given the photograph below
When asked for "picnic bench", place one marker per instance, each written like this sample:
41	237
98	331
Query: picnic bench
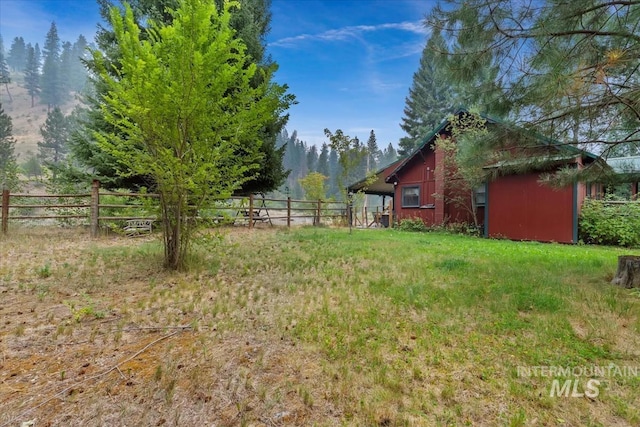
138	227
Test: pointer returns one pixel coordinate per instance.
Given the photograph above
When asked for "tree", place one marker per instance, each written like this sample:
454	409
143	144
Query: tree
8	166
350	155
55	136
32	75
389	155
312	159
17	56
183	110
314	186
251	23
31	167
430	97
323	160
5	76
568	70
66	66
373	152
51	83
77	72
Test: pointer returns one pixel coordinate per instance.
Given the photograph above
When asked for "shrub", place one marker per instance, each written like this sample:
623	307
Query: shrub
412	224
607	223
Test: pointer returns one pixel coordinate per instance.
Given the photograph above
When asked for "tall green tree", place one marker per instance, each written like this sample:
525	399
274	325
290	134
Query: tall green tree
350	155
5	75
431	96
52	88
17	55
32	74
8	166
77	73
55	136
389	155
323	160
567	69
373	152
251	24
183	110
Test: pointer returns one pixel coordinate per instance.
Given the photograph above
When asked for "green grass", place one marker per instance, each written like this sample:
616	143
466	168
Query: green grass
400	305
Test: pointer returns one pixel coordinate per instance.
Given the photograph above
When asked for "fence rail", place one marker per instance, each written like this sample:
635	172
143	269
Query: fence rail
247	211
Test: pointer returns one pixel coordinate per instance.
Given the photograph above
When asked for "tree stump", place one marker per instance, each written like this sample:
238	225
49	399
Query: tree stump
628	274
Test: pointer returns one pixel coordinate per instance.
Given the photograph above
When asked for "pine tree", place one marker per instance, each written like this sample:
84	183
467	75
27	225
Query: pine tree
569	71
312	159
55	135
66	67
251	23
51	82
323	160
389	155
78	73
373	152
38	55
32	75
5	76
8	166
430	96
17	56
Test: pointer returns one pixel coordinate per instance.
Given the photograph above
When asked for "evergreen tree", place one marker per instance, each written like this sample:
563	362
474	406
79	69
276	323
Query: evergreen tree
38	55
31	75
323	160
8	165
312	159
5	76
78	73
373	152
17	56
55	136
389	155
51	82
251	23
66	60
569	70
430	97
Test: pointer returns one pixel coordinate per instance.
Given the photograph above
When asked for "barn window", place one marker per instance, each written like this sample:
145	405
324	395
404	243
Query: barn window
481	195
411	197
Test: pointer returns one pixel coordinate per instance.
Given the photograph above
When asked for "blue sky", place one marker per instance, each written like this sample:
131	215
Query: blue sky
349	62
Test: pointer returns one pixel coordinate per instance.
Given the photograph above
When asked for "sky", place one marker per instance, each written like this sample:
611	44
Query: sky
350	63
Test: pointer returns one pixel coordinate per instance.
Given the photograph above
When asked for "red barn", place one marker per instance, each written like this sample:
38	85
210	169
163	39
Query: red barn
513	205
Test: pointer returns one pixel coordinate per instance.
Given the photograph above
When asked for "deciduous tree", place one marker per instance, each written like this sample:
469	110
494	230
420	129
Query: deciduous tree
183	110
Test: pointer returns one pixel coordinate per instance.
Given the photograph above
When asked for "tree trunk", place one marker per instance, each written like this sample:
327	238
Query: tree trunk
628	274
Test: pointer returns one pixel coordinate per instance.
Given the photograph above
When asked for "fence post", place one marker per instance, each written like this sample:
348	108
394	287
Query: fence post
319	211
5	210
289	211
250	210
95	207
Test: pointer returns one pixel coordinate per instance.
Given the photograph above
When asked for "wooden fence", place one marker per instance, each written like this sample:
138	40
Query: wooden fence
96	209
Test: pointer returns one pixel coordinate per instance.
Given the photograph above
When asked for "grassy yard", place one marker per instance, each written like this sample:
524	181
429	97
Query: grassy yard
315	327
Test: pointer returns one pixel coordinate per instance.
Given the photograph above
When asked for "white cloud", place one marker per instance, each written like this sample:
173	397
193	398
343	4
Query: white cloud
353	31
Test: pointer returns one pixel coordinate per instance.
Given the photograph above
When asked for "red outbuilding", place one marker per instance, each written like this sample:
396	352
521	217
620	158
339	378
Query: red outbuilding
514	204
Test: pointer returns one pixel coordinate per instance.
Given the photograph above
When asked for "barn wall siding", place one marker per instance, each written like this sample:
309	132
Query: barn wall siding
520	208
